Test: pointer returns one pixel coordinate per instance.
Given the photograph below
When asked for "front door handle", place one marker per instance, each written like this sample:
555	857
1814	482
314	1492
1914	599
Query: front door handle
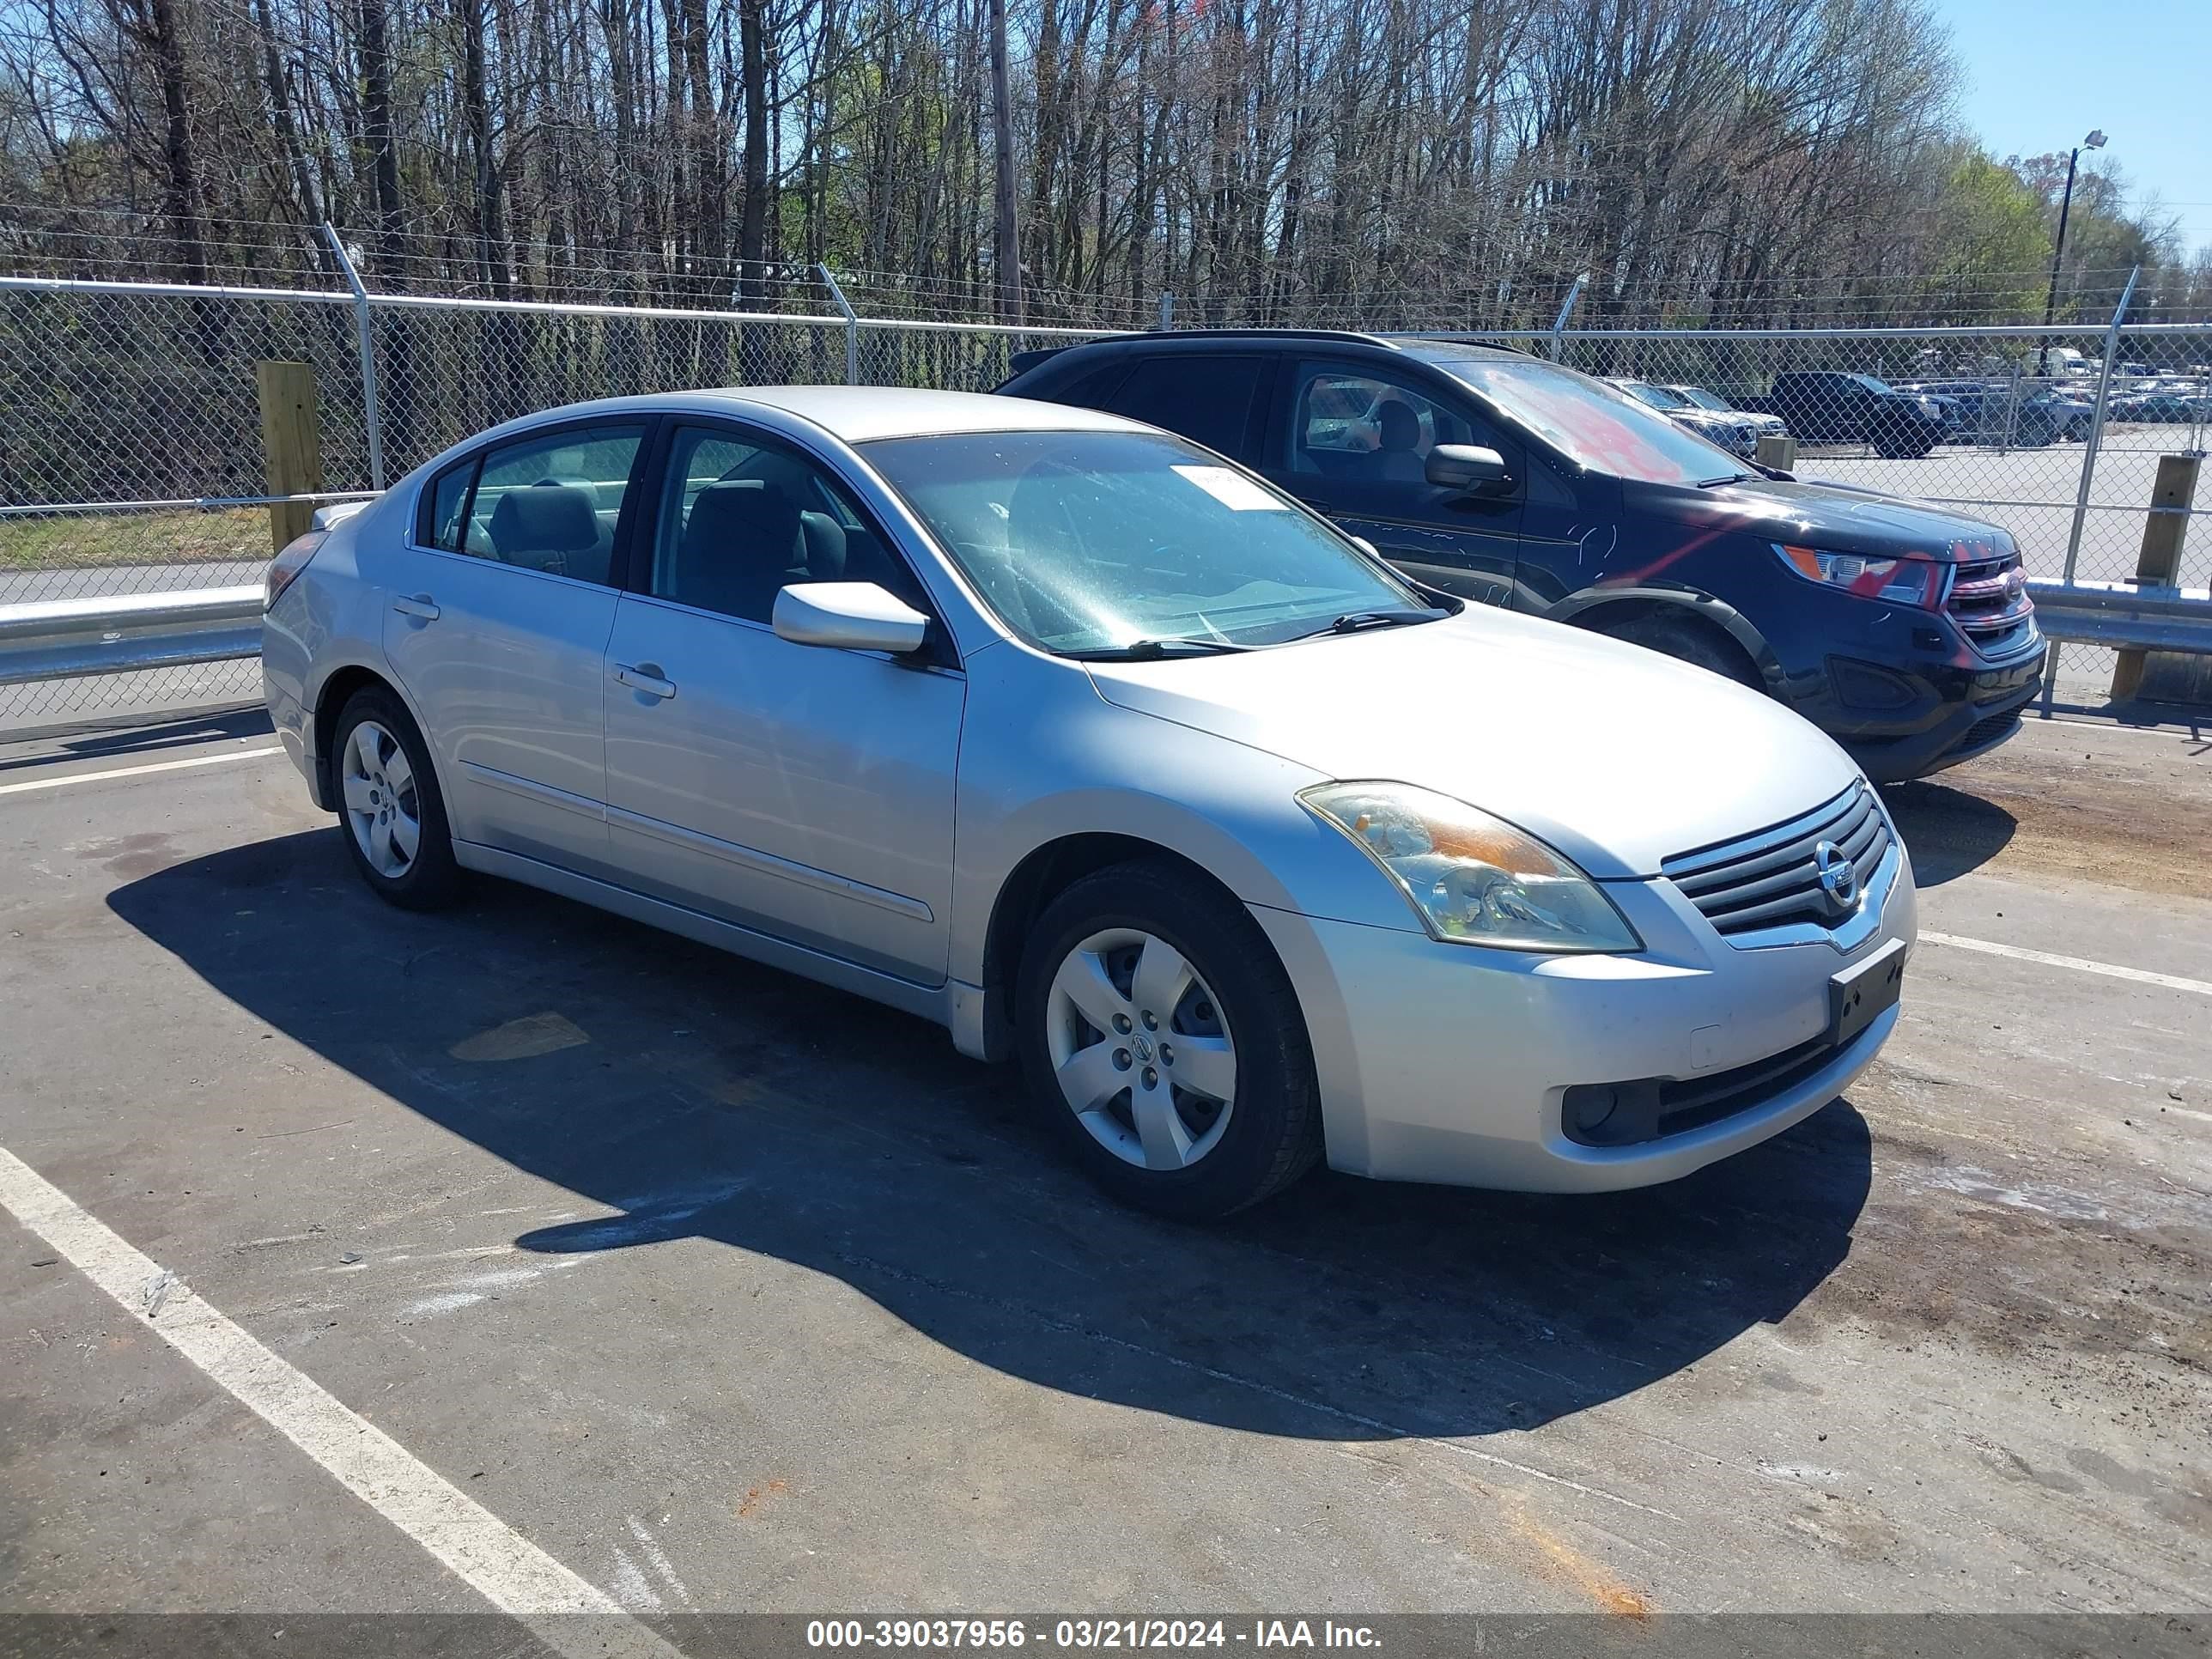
645	677
417	604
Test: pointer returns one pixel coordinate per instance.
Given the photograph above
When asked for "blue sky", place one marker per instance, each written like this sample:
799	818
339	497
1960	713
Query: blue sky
2039	75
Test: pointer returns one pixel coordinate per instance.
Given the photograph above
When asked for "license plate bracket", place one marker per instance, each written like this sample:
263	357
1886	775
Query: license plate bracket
1864	991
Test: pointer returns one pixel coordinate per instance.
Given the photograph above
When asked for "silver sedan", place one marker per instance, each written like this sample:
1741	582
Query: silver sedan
1110	757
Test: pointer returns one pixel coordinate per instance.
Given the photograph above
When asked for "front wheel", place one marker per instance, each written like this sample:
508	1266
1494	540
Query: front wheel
1687	639
1164	1044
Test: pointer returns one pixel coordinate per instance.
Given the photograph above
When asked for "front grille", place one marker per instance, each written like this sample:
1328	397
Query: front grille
1989	602
1772	878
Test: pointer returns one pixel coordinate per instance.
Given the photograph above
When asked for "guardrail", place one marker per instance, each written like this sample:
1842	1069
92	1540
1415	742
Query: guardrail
65	639
2124	616
60	638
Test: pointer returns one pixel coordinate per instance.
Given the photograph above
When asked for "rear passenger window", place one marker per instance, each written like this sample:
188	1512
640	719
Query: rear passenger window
740	520
448	499
1207	399
552	503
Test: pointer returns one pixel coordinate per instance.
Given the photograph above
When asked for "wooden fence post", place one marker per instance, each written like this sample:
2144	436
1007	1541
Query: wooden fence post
292	444
2159	563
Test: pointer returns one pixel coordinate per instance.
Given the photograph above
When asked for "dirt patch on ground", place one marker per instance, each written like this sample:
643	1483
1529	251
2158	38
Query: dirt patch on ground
2124	808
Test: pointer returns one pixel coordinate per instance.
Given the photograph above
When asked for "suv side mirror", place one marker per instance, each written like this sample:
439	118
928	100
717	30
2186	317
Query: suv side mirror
1468	468
847	617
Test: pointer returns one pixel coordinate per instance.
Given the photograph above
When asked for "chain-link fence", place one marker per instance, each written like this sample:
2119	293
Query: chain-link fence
131	459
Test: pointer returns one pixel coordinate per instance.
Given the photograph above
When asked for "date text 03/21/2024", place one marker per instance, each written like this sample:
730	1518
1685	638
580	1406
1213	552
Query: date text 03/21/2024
1086	1634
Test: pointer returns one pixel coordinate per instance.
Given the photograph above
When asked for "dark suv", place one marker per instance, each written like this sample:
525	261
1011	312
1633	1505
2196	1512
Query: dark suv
1902	630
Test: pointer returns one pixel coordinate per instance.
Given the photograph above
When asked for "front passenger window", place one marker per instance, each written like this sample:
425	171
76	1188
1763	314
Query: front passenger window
1358	427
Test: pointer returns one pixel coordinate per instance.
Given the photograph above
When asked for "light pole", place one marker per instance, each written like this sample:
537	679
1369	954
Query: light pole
2094	141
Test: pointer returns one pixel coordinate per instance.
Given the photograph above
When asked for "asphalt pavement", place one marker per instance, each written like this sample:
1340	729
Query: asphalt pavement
526	1241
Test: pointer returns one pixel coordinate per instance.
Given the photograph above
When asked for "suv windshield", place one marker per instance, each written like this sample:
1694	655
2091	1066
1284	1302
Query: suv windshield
1658	396
1703	399
1592	423
1093	542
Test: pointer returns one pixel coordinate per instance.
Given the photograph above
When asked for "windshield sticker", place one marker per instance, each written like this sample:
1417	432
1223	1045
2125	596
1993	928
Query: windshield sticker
1233	489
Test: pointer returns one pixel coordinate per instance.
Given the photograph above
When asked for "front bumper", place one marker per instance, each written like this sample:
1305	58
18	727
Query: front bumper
1446	1063
1961	711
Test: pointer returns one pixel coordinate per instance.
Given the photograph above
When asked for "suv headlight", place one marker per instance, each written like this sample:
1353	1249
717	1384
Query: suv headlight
1471	878
1901	582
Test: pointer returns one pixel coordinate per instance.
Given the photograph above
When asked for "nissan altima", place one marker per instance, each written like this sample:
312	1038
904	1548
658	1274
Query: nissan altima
1115	760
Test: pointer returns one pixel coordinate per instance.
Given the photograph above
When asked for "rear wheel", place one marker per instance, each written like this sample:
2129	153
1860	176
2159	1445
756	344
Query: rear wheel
389	805
1687	639
1164	1044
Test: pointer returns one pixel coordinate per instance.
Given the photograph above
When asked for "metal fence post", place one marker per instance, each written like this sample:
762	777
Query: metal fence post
2095	440
2089	447
1166	309
852	325
1559	323
361	327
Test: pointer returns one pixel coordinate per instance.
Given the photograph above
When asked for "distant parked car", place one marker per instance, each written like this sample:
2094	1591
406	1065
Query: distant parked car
2000	412
1735	431
1830	406
2161	408
1706	397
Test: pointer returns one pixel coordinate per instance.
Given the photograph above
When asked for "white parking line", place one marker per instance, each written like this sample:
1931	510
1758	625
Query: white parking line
140	771
2079	964
499	1563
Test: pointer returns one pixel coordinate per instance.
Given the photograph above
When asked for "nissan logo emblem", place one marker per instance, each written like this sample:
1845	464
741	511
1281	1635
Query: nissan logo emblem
1839	880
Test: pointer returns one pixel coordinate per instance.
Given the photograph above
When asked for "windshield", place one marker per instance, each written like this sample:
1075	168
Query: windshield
1086	542
1593	424
1703	399
1658	396
1871	384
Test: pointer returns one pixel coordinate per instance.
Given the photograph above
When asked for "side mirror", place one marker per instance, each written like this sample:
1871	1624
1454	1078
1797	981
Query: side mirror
847	617
1469	468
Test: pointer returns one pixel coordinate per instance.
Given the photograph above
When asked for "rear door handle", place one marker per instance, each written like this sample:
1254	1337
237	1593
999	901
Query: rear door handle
417	604
645	677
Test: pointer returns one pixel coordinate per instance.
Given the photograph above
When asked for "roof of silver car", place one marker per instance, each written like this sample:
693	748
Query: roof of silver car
858	414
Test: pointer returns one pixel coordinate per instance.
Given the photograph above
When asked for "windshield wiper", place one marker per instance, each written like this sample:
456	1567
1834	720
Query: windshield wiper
1155	650
1733	478
1353	621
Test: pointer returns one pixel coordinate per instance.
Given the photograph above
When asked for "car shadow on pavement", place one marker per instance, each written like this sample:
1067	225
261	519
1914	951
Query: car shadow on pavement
690	1094
1948	831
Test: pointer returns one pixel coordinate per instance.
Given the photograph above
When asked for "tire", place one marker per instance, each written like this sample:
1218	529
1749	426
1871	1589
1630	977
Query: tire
1078	985
387	792
1687	640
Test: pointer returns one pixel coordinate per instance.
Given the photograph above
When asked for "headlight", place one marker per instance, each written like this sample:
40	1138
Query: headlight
1471	878
1901	582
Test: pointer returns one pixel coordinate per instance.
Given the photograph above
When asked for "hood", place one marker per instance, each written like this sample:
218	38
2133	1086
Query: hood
1836	518
1617	756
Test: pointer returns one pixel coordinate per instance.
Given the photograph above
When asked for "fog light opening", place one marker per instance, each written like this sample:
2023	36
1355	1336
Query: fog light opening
1593	1108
